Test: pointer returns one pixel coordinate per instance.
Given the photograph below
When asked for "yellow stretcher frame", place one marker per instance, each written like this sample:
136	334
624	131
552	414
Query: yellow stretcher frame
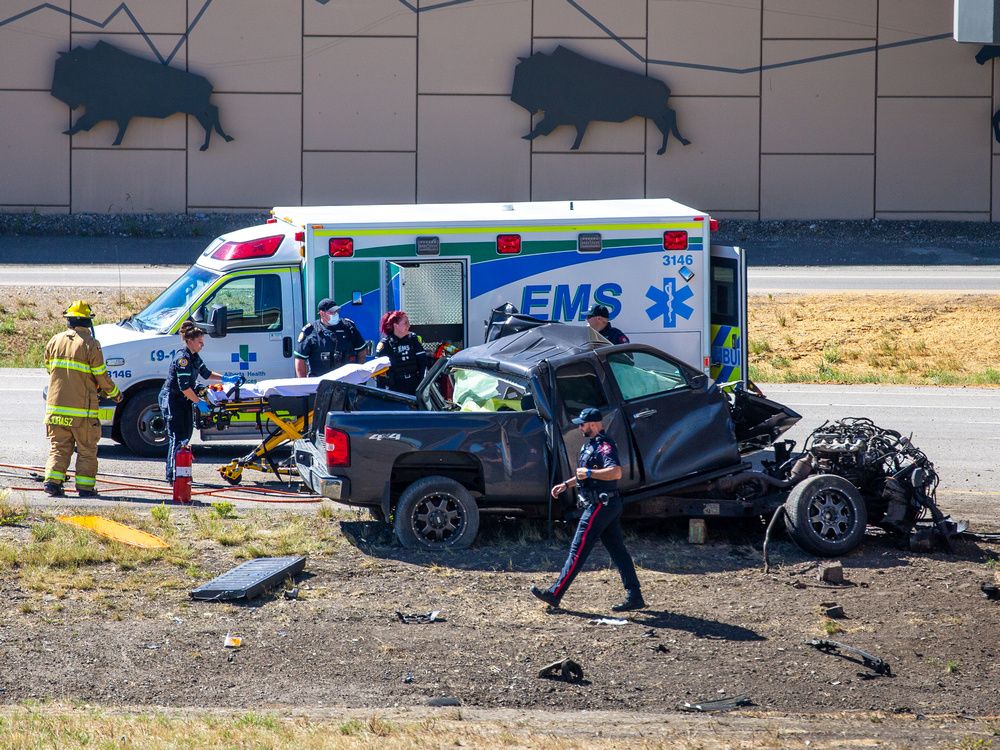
288	428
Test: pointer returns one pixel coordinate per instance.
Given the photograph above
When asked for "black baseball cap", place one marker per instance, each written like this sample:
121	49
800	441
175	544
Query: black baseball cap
327	305
590	414
599	311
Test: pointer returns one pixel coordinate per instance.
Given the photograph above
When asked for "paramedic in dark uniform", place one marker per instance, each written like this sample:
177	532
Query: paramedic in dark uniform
597	319
177	394
405	350
328	343
596	477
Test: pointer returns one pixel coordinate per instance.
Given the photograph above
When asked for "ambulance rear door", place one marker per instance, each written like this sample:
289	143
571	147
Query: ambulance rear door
728	322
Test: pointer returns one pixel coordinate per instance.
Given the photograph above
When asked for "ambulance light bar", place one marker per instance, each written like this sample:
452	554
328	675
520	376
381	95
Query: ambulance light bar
262	248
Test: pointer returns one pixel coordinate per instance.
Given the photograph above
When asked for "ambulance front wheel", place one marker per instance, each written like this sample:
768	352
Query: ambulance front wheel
143	427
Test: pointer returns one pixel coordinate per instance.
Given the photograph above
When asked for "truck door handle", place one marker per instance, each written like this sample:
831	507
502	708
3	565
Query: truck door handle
644	413
286	346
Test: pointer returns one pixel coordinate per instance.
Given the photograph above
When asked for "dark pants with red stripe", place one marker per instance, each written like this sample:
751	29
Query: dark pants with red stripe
601	522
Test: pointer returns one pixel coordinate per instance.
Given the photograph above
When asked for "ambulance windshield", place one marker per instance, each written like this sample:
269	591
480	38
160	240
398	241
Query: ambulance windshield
174	301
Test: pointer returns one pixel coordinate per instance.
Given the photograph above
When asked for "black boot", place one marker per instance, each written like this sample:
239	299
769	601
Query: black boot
87	493
546	596
54	489
632	601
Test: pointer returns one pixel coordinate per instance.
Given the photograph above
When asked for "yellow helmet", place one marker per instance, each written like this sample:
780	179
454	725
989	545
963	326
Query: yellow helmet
79	309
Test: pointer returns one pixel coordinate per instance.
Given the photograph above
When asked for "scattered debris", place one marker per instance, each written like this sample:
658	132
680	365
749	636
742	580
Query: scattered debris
990	591
723	704
834	611
831	573
292	593
408	678
778	513
420	619
608	621
565	669
233	641
119	532
444	700
650	633
660	649
872	662
251	579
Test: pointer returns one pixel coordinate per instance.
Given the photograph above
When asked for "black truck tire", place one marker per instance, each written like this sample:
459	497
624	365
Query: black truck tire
143	427
436	513
826	515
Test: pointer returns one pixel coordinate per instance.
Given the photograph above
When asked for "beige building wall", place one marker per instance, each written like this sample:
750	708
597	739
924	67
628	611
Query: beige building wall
794	108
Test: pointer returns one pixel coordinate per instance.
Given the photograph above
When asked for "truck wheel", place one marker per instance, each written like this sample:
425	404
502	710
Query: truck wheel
436	513
826	515
143	427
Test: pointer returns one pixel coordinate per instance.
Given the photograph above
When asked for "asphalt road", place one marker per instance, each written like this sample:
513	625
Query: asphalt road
762	280
958	428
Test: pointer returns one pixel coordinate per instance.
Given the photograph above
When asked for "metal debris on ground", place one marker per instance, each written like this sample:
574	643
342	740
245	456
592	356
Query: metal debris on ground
834	611
233	641
723	704
876	664
608	621
564	669
990	591
119	532
420	619
251	579
292	593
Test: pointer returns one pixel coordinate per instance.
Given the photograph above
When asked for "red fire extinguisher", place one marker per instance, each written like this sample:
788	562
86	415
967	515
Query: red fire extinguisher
182	474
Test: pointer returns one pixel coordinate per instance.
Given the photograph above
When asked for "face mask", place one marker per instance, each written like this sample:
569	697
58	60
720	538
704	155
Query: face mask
334	319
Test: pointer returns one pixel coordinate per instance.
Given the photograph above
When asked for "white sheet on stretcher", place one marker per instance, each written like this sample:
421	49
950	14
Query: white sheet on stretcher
350	373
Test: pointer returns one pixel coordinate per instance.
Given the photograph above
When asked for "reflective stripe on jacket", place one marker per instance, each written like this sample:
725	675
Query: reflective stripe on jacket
77	374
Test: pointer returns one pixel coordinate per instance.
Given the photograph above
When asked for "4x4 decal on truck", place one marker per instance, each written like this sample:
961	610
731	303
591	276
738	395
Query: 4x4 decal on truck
669	302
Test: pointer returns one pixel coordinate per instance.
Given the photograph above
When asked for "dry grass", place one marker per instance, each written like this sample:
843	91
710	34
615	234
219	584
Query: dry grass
29	317
36	726
931	339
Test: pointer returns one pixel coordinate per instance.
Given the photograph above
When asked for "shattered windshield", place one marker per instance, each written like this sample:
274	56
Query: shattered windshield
475	390
174	301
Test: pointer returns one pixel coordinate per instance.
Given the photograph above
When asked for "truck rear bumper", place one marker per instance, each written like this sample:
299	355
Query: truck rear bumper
314	474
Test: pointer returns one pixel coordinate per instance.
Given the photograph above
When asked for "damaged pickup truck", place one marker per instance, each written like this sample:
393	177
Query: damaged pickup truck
489	431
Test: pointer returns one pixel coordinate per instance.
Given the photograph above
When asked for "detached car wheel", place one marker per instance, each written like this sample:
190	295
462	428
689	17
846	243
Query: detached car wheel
143	426
826	515
436	513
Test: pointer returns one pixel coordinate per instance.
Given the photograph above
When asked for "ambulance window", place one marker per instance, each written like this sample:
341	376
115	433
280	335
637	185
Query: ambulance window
641	374
579	388
725	303
253	302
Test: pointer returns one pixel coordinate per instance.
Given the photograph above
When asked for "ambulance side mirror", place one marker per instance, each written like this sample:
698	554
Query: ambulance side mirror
218	322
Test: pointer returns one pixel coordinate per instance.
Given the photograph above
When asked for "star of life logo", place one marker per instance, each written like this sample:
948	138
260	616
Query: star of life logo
669	302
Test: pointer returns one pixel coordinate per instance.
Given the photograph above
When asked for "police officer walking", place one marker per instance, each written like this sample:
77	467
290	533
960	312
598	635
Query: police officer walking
328	343
598	471
177	394
77	375
597	319
407	357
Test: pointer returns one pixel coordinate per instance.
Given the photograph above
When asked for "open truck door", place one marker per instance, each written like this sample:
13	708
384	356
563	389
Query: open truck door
728	322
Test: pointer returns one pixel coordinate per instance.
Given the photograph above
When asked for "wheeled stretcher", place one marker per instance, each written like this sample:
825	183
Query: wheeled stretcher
282	407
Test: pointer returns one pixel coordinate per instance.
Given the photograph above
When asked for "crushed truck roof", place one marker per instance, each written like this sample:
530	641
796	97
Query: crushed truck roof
521	353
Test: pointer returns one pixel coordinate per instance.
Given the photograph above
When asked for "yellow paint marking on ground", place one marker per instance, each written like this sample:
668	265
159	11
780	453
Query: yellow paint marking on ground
113	530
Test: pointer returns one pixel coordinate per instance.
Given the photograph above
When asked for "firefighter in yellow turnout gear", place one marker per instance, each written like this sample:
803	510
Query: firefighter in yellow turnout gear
77	375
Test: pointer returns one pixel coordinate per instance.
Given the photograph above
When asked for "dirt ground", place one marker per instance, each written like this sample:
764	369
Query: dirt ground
925	339
89	621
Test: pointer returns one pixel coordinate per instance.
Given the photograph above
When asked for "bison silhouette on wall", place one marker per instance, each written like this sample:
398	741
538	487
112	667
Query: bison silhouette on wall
115	85
574	90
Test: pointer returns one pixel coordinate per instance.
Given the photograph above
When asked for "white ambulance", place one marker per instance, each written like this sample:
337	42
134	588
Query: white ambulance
650	262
